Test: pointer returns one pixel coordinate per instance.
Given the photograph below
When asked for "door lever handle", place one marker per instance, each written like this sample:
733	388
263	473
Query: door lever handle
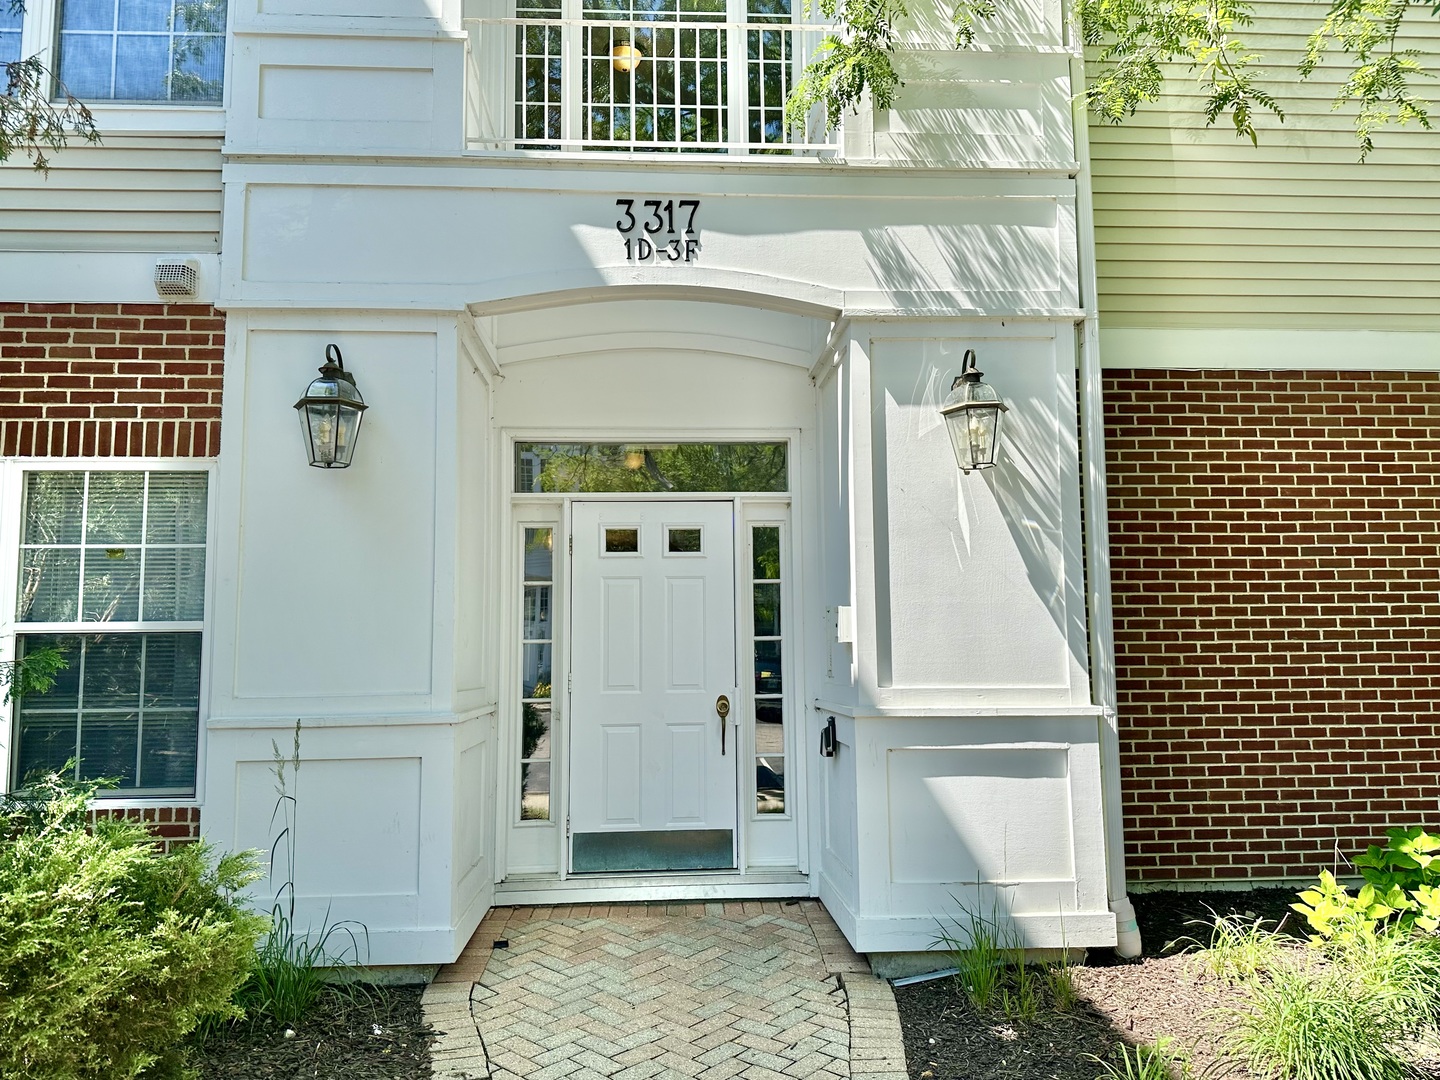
722	709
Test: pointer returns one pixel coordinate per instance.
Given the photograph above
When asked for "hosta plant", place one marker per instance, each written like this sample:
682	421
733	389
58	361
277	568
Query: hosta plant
1402	887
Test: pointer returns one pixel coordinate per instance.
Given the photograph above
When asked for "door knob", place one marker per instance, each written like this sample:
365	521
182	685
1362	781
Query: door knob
722	709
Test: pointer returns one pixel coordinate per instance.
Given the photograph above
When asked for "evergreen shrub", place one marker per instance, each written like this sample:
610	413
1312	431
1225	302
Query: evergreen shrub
110	949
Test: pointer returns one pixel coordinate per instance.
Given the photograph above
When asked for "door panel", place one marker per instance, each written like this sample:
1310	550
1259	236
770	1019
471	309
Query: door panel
652	763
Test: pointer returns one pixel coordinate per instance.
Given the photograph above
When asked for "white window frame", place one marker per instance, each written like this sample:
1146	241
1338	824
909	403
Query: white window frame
12	499
40	36
736	21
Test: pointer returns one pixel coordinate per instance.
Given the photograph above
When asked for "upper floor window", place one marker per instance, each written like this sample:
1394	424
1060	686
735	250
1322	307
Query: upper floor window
9	34
708	76
142	50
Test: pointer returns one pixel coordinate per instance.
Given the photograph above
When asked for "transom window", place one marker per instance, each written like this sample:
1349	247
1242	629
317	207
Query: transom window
676	467
693	75
112	572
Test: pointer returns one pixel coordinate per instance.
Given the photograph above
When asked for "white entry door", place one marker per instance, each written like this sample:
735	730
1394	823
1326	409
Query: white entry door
653	709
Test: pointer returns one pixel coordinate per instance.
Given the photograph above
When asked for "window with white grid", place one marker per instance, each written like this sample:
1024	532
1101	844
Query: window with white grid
112	572
142	50
690	75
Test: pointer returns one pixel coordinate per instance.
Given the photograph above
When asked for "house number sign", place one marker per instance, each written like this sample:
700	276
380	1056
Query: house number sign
659	230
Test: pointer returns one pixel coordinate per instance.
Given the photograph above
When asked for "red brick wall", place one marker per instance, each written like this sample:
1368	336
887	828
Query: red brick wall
169	825
1276	553
110	380
114	380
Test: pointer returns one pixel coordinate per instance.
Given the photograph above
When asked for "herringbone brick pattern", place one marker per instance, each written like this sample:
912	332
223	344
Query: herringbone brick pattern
664	992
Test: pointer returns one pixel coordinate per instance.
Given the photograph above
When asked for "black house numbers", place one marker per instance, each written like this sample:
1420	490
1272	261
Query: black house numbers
659	230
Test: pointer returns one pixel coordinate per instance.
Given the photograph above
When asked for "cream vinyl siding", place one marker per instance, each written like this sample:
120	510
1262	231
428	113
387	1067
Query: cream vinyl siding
1195	227
128	193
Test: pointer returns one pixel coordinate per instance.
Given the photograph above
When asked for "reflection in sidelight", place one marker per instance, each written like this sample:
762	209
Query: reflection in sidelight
769	686
536	644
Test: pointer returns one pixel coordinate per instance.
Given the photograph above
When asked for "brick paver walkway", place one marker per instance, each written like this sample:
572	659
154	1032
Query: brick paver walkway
756	990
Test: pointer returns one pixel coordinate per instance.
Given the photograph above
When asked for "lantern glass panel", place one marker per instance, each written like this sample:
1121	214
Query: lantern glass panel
973	434
322	423
346	434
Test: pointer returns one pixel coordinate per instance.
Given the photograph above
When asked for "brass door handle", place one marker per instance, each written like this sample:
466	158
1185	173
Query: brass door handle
722	709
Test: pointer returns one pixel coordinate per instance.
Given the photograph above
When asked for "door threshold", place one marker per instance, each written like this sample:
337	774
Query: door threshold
638	888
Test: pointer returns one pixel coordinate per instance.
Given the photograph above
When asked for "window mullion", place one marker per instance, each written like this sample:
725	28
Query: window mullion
737	114
572	62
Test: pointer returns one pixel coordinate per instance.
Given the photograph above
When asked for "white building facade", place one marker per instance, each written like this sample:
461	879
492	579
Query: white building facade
654	575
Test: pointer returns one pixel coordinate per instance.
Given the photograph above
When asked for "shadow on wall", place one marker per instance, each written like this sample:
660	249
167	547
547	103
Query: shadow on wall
926	510
977	261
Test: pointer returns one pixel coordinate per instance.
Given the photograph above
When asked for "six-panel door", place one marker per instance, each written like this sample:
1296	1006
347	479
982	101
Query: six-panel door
652	760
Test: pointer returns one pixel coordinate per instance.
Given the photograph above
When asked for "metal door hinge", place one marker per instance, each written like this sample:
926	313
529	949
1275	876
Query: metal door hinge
571	545
567	827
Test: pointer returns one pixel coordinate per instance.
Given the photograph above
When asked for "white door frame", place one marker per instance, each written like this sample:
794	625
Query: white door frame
788	509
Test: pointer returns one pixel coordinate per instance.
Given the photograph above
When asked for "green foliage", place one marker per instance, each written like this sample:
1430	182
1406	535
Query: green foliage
989	959
1062	987
1239	950
1402	885
1344	1009
110	950
845	66
978	945
1131	45
33	119
1366	31
33	673
1133	40
1305	1025
1143	1062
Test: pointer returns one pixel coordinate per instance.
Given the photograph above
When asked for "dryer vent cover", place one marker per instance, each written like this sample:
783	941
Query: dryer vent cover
175	276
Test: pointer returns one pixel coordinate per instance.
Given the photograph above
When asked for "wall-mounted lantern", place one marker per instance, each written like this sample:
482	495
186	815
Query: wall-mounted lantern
972	413
330	414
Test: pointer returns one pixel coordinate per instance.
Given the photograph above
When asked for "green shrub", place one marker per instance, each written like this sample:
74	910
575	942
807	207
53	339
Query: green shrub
1402	886
110	950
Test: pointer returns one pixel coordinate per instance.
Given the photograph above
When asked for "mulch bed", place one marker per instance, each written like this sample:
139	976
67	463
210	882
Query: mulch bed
359	1034
1165	993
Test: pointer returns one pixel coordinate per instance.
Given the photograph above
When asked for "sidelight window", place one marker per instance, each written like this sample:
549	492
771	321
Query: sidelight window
537	641
768	637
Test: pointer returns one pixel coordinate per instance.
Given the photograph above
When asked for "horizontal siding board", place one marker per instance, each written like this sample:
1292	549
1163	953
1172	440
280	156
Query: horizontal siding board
176	241
129	193
136	200
1260	289
84	221
1220	242
1368	279
1196	227
1246	320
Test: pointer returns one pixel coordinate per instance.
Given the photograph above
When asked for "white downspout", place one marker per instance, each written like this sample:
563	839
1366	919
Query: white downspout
1097	525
